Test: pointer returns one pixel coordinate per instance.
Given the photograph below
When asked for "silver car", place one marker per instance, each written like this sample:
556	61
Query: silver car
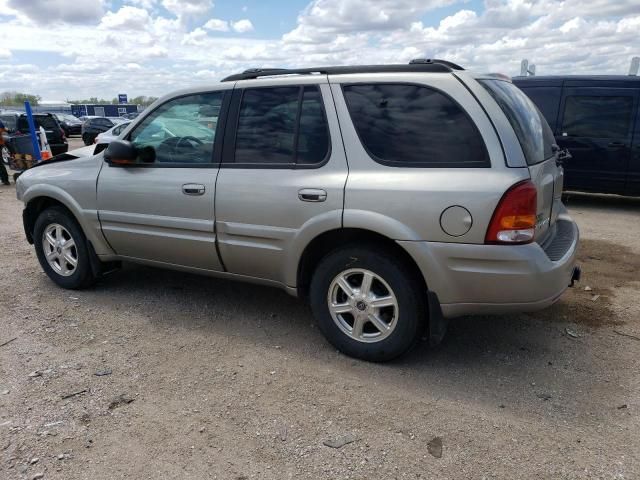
392	197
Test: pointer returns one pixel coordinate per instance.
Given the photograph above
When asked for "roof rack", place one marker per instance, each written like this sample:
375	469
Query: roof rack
416	65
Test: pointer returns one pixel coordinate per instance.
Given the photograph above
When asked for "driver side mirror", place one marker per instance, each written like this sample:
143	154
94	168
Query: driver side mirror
120	152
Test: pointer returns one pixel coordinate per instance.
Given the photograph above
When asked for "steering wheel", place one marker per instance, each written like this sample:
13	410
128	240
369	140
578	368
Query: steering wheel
171	146
189	138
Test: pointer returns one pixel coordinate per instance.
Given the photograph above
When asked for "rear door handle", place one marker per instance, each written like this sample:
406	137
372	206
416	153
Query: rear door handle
312	195
617	144
193	189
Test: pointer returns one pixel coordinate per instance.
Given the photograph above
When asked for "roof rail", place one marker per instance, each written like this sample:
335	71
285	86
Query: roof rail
417	65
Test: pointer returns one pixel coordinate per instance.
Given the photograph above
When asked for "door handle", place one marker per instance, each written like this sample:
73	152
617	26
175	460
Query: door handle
616	144
193	189
312	195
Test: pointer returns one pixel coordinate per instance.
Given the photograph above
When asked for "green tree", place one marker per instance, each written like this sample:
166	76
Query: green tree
17	99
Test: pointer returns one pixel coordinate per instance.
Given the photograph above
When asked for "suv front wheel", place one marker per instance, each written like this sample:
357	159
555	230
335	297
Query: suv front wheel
368	303
62	249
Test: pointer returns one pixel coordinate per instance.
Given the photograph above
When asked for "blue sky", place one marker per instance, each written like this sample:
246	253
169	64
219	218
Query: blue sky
149	47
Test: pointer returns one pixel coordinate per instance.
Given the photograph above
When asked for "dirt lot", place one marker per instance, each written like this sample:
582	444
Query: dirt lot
155	374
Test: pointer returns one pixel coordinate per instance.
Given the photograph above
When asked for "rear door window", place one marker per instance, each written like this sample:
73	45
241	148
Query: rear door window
414	126
281	126
531	128
597	116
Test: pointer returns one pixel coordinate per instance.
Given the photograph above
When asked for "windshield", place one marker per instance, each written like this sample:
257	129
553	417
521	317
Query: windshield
532	130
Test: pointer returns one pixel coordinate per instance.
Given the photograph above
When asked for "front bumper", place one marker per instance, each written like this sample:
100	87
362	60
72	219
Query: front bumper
495	279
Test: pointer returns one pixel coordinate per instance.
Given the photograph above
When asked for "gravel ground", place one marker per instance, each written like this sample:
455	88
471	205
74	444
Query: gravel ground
155	374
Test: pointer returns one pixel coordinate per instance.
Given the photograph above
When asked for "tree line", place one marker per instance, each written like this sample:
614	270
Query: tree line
17	99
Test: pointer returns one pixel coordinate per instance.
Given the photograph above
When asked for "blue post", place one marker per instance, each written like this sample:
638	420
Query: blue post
32	131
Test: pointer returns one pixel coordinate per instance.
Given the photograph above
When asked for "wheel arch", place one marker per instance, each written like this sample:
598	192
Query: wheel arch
331	240
37	200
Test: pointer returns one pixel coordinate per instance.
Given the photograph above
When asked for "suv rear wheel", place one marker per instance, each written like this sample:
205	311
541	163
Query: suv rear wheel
5	154
62	249
86	138
368	304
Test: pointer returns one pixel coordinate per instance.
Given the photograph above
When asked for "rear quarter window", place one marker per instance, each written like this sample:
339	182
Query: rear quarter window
531	128
414	126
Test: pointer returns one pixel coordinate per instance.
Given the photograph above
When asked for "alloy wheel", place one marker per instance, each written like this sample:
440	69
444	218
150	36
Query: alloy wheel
60	249
363	305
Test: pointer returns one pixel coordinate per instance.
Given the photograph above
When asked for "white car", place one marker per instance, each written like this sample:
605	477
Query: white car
112	133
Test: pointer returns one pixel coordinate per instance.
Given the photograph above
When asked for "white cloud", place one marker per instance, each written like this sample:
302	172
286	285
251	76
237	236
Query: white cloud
127	18
182	8
48	11
242	26
152	48
217	25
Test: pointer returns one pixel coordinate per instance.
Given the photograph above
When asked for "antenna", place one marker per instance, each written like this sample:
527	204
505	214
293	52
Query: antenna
635	66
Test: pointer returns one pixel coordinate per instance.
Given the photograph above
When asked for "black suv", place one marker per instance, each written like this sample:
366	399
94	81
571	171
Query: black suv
69	123
93	126
16	124
598	120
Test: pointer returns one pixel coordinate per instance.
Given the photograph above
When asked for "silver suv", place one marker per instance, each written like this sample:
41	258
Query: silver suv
393	197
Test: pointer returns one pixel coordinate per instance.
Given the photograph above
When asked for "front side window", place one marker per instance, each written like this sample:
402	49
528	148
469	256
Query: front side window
531	128
597	116
414	126
179	131
281	126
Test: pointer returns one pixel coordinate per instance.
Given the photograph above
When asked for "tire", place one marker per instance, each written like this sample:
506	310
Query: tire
81	275
5	153
87	140
392	280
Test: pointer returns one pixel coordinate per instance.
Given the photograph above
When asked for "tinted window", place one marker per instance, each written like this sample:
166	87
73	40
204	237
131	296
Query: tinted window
281	125
48	123
531	128
413	125
547	99
313	133
10	122
600	117
179	131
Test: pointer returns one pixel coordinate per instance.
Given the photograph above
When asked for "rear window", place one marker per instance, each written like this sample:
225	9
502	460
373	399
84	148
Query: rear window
48	123
9	122
547	99
532	130
414	126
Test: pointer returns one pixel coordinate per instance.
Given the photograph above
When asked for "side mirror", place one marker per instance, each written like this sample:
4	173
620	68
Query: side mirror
120	152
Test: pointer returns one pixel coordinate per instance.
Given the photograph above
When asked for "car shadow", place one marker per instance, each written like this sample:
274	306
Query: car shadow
598	201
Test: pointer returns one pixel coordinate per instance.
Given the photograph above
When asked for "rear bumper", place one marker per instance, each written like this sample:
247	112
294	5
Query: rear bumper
495	279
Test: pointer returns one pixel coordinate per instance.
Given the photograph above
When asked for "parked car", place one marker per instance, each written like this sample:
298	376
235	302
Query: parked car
17	124
71	124
130	116
92	126
392	197
112	133
598	120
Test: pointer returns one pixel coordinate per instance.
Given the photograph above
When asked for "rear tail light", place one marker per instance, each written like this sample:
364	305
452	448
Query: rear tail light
62	134
514	220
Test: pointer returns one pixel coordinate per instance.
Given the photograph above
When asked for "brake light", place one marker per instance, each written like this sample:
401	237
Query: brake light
62	133
514	220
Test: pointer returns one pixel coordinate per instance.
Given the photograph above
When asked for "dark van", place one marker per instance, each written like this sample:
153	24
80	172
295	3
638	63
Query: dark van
597	119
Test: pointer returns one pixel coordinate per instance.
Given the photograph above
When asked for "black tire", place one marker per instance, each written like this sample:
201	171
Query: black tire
87	140
82	276
400	277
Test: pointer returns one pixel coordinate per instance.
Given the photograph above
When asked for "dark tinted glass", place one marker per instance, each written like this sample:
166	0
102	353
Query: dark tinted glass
266	125
531	128
599	117
547	99
313	134
10	122
413	125
48	123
